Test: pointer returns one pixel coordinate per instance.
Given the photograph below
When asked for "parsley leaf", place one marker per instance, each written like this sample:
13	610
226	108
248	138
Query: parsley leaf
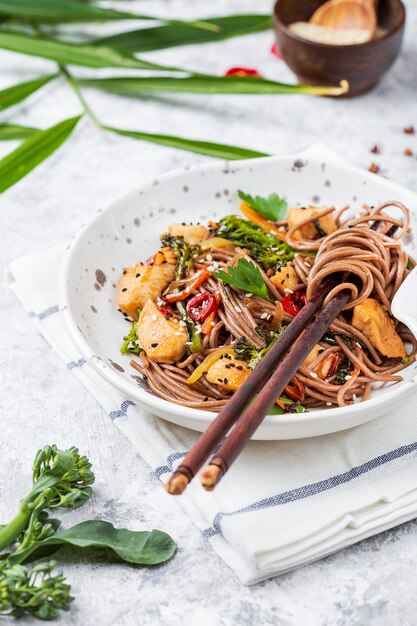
247	277
272	208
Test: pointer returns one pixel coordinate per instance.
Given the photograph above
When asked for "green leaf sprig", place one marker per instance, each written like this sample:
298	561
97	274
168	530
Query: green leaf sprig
272	208
245	276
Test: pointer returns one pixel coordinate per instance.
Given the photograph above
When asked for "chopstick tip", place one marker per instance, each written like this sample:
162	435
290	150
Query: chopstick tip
210	476
177	484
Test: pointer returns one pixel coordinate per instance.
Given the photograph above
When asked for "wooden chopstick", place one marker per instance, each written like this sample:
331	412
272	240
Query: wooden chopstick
231	412
252	418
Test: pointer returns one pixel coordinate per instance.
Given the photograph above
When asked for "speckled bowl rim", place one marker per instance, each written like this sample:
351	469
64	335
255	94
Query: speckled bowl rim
355	412
279	25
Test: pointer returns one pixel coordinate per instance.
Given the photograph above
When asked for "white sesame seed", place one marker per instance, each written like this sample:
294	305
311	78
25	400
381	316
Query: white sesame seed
313	375
216	264
288	290
212	323
328	404
178	333
358	344
268	317
264	316
348	377
187	289
237	309
249	295
354	397
210	268
182	323
209	257
154	317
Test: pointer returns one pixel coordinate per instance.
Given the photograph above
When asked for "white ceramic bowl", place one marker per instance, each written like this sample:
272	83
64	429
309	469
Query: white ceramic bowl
128	232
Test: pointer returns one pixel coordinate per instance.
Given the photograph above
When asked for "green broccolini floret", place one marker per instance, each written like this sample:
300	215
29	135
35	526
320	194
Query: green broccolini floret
37	591
246	350
186	255
265	248
60	479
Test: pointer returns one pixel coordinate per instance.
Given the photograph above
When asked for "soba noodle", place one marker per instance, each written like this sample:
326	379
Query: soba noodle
365	252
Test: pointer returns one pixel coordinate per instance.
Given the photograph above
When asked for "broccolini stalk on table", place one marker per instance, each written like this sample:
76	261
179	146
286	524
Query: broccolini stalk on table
60	479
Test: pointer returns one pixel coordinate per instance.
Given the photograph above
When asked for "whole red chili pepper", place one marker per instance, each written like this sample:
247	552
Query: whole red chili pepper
294	302
199	307
242	71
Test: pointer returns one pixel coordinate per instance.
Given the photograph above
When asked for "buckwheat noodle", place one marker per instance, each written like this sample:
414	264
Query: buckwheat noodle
366	253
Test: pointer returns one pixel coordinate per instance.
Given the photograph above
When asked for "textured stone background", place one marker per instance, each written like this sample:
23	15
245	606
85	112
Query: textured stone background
373	583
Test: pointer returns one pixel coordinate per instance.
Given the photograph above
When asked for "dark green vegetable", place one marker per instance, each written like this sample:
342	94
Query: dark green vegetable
246	351
272	208
36	591
186	255
263	247
138	547
61	479
245	276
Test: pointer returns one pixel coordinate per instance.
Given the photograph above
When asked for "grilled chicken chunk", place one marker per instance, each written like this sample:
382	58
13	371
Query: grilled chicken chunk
141	283
192	233
163	340
326	224
371	318
228	374
286	278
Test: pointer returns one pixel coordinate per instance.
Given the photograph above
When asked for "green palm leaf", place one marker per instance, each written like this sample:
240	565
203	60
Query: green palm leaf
60	11
17	93
219	150
199	83
170	35
71	54
13	131
33	151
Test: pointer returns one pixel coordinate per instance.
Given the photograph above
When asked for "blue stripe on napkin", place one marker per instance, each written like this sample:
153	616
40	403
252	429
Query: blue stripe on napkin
313	489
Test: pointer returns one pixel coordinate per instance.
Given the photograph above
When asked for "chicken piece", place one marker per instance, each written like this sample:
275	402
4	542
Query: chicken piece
327	223
286	278
228	374
142	282
192	233
372	319
163	340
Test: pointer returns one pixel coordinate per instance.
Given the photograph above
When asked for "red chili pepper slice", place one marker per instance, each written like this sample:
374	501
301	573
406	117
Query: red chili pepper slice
242	71
201	306
276	51
294	302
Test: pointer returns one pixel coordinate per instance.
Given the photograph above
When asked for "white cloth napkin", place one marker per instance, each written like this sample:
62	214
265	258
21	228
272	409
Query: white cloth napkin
282	504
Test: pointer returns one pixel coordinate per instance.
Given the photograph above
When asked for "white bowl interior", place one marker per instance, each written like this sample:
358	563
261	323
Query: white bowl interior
128	232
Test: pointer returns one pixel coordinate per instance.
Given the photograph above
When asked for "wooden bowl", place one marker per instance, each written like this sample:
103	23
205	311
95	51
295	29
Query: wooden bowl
323	64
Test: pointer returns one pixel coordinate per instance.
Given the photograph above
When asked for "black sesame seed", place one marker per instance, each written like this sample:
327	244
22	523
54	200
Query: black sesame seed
220	380
205	399
239	367
225	381
154	345
144	377
282	281
221	356
137	275
124	289
287	275
124	272
204	373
